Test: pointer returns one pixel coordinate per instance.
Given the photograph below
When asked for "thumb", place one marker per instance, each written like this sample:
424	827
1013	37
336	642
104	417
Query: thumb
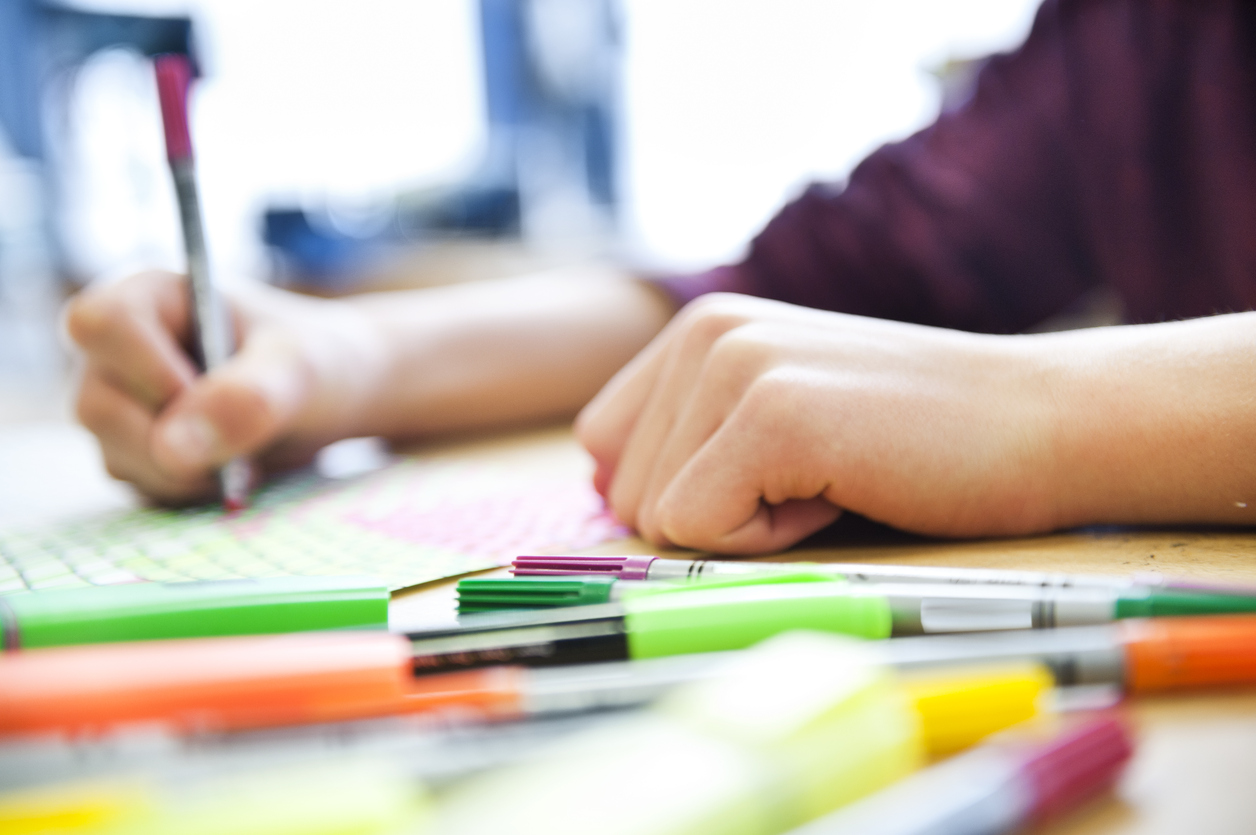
237	409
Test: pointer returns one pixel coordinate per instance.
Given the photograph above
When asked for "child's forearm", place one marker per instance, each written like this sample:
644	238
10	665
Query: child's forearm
502	352
1155	423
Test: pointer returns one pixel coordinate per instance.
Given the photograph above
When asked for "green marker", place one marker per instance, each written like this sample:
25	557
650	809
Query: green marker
736	614
676	622
149	611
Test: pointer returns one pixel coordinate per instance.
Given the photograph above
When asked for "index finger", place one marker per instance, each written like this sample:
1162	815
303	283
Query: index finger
132	333
605	424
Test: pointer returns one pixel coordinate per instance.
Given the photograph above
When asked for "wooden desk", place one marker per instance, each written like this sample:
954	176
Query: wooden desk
1197	753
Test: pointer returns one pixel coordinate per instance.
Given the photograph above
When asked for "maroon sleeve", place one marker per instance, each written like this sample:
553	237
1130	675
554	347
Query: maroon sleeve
1115	148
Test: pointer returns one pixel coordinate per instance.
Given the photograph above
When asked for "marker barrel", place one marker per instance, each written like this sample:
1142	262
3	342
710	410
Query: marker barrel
150	611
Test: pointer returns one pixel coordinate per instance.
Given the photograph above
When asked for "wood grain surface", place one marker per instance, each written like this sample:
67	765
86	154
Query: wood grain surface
1196	759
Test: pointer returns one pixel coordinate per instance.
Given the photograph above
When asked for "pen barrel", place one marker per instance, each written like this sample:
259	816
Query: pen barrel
927	609
1075	656
151	611
664	569
736	617
214	339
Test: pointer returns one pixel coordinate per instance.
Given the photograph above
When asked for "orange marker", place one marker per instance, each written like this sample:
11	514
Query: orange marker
1175	654
1140	656
232	684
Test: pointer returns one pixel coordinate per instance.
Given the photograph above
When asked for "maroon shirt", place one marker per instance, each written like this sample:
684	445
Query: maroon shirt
1116	148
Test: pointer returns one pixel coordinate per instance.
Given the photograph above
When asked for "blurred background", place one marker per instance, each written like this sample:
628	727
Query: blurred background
387	143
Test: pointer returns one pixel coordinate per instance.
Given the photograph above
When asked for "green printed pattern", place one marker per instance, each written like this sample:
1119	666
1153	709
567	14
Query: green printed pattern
409	523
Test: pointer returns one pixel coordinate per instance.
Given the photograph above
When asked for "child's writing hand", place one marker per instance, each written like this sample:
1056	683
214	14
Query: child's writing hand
291	386
748	424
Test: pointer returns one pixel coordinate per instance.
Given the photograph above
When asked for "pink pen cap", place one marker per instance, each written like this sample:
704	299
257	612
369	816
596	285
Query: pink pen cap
1085	761
174	76
633	567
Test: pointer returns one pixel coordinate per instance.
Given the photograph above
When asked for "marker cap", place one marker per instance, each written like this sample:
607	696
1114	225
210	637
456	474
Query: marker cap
961	707
151	611
710	620
632	567
1169	602
1083	761
544	592
1173	653
174	76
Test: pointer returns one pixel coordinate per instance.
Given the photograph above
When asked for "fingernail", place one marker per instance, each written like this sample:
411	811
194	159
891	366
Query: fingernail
602	481
192	439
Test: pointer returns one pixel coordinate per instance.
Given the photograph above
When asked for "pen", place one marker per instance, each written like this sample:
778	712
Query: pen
704	619
648	567
918	608
150	611
215	341
1002	785
651	625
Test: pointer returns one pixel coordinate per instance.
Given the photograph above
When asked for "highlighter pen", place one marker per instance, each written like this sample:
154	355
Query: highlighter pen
215	341
150	611
731	615
1012	781
679	622
919	608
647	567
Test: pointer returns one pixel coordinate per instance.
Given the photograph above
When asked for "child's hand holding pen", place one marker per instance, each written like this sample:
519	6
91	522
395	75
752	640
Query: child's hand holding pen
310	371
165	428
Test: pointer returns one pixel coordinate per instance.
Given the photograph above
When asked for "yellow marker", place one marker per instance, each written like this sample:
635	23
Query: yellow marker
85	806
340	796
959	708
799	725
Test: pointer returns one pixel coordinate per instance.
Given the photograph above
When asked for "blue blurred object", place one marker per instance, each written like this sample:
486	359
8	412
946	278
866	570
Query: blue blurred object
41	45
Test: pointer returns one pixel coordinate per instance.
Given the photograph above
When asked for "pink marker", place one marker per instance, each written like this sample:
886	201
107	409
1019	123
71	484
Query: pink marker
648	567
1000	786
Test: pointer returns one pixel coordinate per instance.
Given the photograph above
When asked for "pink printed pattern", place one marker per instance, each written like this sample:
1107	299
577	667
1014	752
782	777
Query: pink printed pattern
412	522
